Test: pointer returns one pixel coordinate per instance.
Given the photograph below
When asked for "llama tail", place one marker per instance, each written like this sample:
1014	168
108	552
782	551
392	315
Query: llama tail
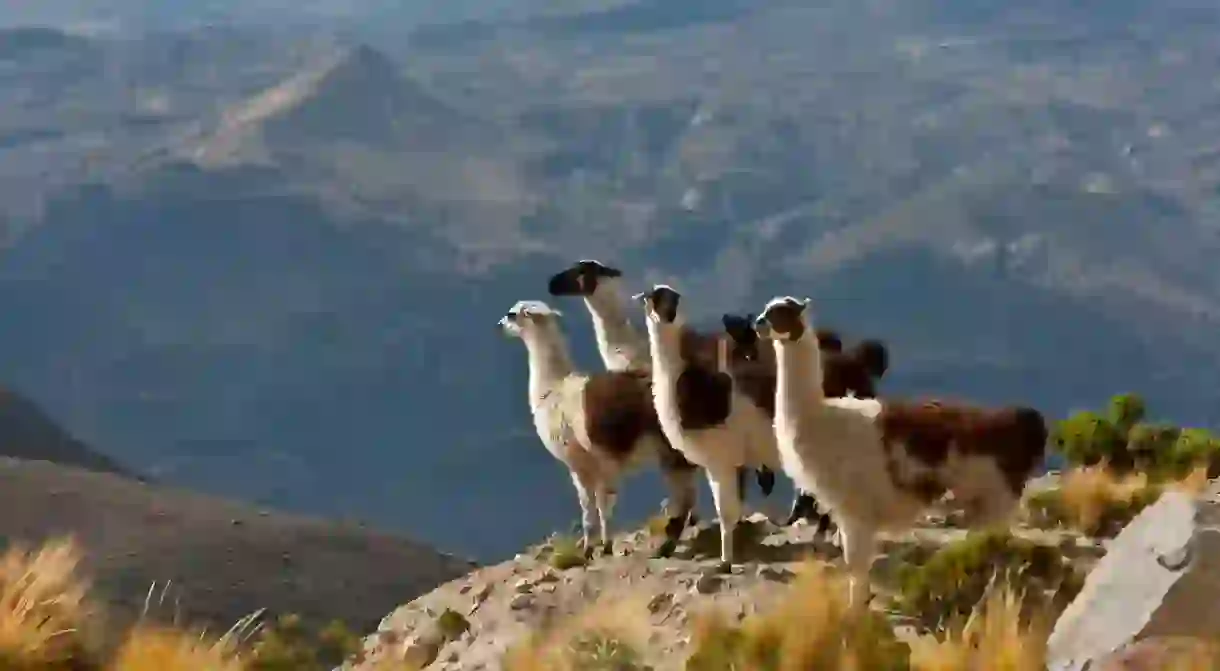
874	355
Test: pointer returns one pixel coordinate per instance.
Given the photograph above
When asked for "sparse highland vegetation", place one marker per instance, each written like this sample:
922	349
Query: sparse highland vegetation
946	600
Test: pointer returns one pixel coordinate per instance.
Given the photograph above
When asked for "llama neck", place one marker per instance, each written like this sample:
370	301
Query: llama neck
618	342
798	375
664	346
549	363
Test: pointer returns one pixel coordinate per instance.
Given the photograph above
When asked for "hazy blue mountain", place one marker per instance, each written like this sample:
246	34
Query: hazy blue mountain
267	260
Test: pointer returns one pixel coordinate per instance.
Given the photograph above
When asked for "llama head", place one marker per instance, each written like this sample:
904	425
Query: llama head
874	356
783	319
828	341
581	278
529	317
661	305
742	335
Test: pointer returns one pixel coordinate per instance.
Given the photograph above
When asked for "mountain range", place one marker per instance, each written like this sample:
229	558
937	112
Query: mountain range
260	252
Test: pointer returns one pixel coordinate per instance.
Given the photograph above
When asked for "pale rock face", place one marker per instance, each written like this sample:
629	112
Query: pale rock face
1159	578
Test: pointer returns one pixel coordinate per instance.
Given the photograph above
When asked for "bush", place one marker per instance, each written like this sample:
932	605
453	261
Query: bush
1123	441
956	579
1095	501
1098	502
287	645
563	553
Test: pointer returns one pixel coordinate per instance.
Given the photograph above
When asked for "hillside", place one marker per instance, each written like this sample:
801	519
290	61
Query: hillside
259	257
216	561
26	433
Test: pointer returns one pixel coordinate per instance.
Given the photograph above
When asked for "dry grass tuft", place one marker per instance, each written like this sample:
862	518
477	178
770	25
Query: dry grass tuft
44	608
995	637
607	636
155	648
813	629
1097	501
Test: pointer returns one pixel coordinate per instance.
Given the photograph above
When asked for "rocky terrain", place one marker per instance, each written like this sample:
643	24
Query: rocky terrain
655	600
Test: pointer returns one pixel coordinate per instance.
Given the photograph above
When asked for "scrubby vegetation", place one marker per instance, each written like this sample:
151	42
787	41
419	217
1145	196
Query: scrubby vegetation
1096	501
1119	463
562	553
1124	441
48	622
943	591
987	601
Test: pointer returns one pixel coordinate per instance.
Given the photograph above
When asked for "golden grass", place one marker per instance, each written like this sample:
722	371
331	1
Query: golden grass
994	638
606	635
48	622
1096	500
155	648
43	608
812	629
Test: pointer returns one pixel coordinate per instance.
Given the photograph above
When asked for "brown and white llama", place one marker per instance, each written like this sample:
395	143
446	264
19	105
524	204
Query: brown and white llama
879	464
851	373
601	426
703	416
620	344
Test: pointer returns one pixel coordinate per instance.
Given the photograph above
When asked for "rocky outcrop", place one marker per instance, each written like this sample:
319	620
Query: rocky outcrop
1159	580
469	624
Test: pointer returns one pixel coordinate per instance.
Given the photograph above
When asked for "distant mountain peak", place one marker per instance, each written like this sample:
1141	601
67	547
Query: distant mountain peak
357	96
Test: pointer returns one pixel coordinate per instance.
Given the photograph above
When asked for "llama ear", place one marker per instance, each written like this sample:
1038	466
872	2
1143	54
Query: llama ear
729	321
806	301
639	298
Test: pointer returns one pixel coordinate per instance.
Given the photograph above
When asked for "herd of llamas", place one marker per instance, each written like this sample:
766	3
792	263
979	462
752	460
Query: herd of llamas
729	404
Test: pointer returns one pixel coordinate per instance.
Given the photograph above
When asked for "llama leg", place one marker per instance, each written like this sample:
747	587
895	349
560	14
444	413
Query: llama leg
859	550
589	516
728	509
682	496
803	507
607	496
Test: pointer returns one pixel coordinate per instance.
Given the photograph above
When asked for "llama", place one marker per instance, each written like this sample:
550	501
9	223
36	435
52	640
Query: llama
620	344
851	373
713	425
879	464
601	426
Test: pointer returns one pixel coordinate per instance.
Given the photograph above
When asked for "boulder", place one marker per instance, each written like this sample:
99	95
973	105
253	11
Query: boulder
1160	578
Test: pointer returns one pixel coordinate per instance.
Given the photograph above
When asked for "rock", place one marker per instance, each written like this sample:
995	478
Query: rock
660	602
1159	578
523	586
520	602
483	593
707	583
774	574
420	651
1153	654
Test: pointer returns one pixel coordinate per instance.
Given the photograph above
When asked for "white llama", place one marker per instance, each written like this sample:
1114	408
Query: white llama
877	465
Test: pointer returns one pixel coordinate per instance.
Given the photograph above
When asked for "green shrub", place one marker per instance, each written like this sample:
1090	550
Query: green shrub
1122	440
287	645
944	590
563	553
